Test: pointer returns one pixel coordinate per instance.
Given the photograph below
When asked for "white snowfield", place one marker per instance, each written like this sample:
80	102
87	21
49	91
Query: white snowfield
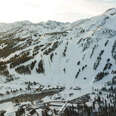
81	46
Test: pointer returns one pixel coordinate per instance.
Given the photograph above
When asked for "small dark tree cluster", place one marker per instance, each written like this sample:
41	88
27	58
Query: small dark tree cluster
101	75
78	63
32	64
96	64
49	50
113	71
20	60
106	43
51	56
64	52
84	67
3	69
107	66
23	70
77	73
114	51
87	43
40	68
20	112
92	51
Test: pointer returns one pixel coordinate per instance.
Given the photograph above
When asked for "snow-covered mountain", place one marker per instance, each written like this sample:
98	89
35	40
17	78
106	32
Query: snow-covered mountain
79	56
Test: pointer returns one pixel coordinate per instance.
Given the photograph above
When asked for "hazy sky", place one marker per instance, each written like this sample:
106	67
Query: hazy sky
60	10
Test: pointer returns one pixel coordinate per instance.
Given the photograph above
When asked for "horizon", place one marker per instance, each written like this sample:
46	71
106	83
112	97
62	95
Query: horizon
37	11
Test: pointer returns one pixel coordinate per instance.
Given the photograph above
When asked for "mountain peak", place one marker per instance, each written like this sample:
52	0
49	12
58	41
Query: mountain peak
111	11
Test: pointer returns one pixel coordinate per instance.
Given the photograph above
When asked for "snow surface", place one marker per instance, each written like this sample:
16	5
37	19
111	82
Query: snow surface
90	32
